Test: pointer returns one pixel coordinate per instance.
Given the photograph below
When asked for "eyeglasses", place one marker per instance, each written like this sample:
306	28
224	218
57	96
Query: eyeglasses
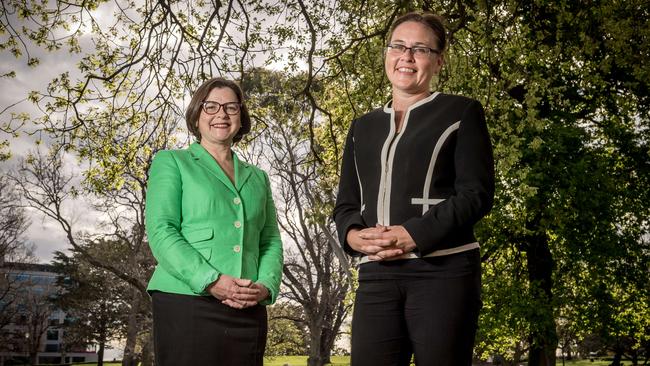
417	51
230	108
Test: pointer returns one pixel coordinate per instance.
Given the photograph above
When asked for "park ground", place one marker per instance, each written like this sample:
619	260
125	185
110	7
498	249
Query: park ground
345	361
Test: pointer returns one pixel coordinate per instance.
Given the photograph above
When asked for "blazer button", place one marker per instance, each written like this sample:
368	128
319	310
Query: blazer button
237	224
236	200
236	249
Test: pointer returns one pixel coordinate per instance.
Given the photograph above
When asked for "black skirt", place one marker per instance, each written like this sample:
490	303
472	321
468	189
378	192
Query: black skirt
200	330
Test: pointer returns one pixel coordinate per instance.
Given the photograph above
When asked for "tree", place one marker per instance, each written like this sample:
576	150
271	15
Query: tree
564	84
13	224
577	190
172	47
50	190
316	272
13	249
558	103
93	300
286	335
38	308
30	309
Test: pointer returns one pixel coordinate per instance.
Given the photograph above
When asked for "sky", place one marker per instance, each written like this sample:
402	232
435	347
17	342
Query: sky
45	234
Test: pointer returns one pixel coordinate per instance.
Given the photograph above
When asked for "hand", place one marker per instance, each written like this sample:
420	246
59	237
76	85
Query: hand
403	242
234	292
371	241
237	302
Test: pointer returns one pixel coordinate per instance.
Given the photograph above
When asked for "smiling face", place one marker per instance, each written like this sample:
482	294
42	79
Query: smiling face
407	73
219	128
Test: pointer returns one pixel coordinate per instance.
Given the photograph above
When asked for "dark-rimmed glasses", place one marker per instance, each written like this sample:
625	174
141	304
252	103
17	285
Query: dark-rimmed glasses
230	108
417	51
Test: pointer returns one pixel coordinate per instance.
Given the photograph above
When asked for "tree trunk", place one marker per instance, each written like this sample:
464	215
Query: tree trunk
516	358
100	353
314	358
320	343
634	357
327	343
132	331
543	338
102	336
147	351
617	358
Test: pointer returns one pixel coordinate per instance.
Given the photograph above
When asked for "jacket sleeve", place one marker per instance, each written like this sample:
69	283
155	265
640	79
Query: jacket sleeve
474	185
271	257
347	210
163	223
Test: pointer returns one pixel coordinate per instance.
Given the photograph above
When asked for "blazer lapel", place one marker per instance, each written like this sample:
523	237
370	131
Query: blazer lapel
203	158
242	172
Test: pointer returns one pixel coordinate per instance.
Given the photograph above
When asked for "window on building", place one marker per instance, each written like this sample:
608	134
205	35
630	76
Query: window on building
51	360
52	334
22	277
52	347
78	359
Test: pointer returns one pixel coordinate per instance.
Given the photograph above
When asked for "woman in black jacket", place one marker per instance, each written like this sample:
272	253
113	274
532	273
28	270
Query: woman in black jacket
416	176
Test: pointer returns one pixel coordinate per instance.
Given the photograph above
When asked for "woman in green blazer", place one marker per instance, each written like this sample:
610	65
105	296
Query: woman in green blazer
212	228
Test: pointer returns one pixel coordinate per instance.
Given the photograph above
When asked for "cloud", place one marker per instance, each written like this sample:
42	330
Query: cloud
47	237
46	234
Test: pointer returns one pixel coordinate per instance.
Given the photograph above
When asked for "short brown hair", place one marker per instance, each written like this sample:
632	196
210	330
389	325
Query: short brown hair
434	22
196	104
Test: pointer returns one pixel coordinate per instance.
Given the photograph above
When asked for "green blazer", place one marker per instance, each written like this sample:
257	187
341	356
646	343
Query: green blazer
200	225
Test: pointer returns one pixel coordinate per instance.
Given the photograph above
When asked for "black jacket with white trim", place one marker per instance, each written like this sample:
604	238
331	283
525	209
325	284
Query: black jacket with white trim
435	177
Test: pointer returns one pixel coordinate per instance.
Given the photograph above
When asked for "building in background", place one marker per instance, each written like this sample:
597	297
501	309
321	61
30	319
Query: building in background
31	326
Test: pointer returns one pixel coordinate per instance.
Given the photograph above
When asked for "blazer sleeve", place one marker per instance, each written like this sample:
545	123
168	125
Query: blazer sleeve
163	223
271	257
347	210
474	185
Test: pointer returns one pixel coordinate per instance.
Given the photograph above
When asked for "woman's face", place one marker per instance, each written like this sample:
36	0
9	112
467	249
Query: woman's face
219	128
407	72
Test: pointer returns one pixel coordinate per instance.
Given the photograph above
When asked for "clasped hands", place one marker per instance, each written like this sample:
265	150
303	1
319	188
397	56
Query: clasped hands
237	293
381	242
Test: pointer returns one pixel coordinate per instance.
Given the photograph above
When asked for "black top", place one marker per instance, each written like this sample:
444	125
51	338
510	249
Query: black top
435	177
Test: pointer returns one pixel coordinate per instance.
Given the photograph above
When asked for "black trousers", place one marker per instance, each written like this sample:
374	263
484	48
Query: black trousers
433	315
200	330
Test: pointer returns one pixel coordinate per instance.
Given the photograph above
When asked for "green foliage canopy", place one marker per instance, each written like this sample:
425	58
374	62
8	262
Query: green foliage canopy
564	85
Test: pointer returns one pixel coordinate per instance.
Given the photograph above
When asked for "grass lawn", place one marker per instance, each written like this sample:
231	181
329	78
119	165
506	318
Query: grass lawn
583	363
302	361
345	361
275	361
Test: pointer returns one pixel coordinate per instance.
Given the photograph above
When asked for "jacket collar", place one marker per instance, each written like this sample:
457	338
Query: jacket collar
203	158
388	107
